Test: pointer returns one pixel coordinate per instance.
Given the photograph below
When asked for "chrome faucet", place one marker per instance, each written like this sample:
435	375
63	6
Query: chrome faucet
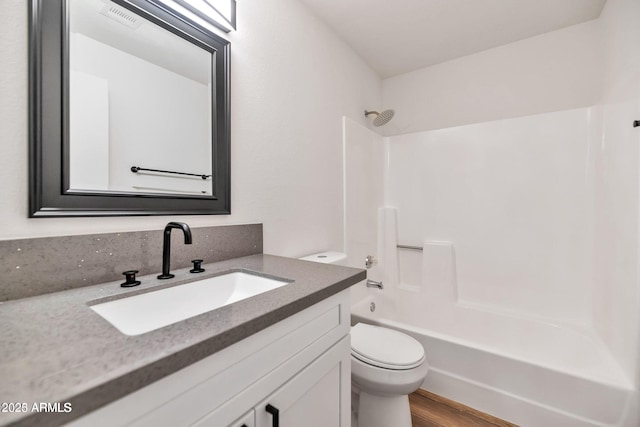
374	284
166	246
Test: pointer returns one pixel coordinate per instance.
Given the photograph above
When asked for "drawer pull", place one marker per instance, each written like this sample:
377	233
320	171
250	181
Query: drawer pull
275	413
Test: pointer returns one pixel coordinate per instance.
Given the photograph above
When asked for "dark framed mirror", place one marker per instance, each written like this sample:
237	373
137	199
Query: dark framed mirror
128	109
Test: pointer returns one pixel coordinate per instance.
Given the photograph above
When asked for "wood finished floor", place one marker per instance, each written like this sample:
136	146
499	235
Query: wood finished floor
431	410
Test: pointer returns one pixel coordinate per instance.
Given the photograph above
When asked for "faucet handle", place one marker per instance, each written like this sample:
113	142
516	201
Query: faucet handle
130	277
197	266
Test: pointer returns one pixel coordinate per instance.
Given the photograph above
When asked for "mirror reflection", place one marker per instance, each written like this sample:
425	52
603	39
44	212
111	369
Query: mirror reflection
139	97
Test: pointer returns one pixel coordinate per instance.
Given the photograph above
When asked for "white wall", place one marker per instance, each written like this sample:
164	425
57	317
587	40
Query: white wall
292	82
89	132
554	71
364	177
617	294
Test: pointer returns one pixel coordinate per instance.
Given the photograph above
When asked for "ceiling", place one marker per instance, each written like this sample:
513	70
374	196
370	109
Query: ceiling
143	40
398	36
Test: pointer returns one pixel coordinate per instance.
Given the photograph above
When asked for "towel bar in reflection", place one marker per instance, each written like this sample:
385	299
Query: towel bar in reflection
414	248
136	169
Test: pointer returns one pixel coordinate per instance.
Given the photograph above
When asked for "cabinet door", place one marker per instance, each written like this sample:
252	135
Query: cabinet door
248	420
318	396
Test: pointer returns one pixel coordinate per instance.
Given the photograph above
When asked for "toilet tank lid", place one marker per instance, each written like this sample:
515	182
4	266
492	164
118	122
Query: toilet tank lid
329	257
385	347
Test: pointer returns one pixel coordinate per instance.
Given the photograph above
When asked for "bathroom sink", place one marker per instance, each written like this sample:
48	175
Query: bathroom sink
146	312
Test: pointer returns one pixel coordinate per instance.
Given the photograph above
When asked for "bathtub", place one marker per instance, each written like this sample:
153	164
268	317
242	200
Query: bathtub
523	370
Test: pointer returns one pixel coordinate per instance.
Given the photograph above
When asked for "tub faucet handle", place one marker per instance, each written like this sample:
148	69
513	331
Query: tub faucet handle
369	261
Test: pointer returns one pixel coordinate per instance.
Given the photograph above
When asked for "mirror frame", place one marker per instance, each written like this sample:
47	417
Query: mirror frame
49	192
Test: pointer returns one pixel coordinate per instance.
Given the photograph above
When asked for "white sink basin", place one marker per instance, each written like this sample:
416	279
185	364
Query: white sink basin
142	313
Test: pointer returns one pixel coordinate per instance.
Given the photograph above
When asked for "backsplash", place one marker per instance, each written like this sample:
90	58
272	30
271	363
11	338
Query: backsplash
32	267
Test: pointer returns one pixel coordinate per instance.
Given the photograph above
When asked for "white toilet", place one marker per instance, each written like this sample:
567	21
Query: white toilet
386	366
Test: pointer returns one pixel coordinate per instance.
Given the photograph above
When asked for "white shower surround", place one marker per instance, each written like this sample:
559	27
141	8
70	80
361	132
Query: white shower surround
516	198
502	296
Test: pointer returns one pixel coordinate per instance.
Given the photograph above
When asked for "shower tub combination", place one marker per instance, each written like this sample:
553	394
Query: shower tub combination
486	247
522	370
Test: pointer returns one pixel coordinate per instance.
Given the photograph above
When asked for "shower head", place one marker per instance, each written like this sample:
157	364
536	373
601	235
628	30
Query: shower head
381	118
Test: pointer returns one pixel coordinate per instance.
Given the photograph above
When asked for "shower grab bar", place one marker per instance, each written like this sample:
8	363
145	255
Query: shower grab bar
414	248
136	169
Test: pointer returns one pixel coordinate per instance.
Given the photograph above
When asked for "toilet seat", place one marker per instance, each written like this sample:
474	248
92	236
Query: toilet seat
385	348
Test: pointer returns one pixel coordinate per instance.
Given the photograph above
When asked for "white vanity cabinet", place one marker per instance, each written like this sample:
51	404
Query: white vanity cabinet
299	367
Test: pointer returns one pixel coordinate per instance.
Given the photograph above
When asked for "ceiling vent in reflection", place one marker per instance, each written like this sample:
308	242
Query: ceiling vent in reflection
121	15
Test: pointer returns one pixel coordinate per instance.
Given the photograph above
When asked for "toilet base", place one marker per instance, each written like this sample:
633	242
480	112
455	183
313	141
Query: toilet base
381	411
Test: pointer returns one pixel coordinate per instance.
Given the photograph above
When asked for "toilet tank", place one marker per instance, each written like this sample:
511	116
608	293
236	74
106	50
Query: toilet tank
329	257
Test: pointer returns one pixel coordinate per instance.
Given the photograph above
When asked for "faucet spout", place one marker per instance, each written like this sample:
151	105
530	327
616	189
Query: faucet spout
374	284
166	246
182	226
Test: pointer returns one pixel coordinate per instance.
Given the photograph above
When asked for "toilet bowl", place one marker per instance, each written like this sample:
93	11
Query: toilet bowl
386	366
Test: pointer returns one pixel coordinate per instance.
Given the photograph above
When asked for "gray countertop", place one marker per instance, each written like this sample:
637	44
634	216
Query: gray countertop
54	348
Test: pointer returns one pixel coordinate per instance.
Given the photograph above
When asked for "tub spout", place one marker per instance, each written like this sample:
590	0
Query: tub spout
374	284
